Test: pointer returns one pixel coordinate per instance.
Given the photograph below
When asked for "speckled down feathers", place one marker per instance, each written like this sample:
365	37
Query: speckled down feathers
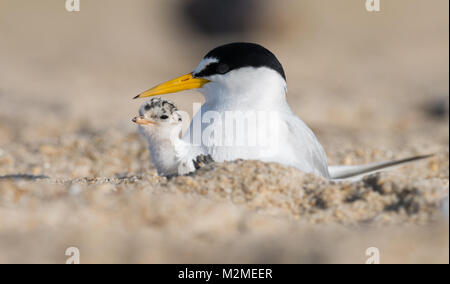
156	107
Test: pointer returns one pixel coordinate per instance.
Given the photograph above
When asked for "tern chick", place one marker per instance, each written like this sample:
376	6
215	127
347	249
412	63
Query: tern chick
160	123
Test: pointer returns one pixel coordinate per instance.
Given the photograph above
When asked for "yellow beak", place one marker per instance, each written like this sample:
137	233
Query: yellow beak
185	82
142	120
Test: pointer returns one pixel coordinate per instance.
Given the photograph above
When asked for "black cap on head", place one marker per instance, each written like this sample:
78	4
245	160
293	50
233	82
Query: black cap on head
237	55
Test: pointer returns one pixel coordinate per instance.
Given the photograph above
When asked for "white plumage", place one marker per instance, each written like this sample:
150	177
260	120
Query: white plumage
260	92
160	124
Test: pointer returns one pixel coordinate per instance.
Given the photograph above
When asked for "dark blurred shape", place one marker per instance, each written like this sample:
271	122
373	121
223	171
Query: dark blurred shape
23	177
219	17
438	108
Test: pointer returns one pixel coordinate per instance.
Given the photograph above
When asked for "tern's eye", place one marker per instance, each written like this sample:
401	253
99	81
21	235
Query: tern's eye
164	116
222	68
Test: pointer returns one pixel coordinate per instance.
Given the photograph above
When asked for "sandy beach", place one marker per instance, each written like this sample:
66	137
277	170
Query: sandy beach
74	172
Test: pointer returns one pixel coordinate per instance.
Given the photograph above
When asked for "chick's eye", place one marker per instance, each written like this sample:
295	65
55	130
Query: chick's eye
164	116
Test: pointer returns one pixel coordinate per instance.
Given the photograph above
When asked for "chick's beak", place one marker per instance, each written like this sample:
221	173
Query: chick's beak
142	120
185	82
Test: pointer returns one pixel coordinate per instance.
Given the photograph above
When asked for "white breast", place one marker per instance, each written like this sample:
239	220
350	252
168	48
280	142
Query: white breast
272	133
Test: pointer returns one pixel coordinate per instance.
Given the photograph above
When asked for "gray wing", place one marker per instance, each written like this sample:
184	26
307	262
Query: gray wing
310	154
355	172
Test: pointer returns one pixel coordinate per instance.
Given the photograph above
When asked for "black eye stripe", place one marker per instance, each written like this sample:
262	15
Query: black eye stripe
164	116
210	69
223	68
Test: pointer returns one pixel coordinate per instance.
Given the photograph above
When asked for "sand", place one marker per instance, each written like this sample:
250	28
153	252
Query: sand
74	171
242	211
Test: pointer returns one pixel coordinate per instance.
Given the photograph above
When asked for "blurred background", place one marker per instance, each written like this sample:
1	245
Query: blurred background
372	86
346	68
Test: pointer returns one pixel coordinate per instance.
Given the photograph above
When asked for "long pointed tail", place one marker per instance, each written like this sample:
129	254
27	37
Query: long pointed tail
353	172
